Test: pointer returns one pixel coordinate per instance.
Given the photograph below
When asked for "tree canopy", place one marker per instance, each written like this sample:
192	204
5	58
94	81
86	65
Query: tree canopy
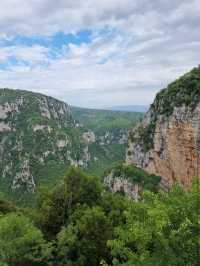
79	223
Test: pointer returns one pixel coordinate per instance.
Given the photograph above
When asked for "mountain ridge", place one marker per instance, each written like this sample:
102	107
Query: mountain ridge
130	108
40	137
35	130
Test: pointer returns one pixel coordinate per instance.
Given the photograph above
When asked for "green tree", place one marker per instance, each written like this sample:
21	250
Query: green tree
160	230
114	205
56	207
83	241
21	243
6	206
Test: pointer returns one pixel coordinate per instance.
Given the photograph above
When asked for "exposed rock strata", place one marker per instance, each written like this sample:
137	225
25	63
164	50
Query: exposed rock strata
176	146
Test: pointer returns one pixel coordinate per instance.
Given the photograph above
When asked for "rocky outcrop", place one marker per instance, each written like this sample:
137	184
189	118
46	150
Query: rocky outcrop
4	127
62	143
54	109
41	127
168	143
110	138
8	108
122	185
89	137
24	178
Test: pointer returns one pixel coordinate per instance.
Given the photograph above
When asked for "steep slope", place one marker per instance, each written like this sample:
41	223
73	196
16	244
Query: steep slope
41	136
38	140
167	142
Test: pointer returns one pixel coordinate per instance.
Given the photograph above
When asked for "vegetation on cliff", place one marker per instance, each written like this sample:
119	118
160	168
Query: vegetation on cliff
135	175
185	91
79	223
40	139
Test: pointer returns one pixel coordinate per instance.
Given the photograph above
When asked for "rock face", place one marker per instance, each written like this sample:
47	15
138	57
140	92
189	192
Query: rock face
167	142
130	180
38	136
122	185
24	178
111	138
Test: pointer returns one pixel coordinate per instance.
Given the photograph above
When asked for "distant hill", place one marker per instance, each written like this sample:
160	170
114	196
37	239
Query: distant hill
111	131
101	121
130	108
40	137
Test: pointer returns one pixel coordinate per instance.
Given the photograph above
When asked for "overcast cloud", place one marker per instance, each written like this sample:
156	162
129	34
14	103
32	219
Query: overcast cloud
97	53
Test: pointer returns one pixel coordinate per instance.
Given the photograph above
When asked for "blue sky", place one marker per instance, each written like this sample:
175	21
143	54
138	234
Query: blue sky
55	41
54	44
97	53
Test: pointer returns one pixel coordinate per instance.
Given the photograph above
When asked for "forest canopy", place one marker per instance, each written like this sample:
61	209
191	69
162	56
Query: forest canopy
78	222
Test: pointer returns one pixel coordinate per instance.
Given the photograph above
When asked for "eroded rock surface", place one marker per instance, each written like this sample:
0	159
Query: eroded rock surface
121	185
168	144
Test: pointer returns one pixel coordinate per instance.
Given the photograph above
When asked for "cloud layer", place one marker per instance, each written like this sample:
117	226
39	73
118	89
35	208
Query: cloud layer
97	53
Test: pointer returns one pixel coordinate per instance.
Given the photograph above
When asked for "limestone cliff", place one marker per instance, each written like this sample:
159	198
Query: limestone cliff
121	185
130	180
167	142
38	139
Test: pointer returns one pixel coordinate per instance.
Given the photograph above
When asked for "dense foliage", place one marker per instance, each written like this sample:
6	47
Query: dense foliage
79	223
183	91
162	230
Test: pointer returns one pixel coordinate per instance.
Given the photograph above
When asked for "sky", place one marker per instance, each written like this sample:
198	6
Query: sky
97	53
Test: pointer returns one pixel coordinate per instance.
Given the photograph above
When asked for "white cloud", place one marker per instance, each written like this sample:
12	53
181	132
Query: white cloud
146	45
29	54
